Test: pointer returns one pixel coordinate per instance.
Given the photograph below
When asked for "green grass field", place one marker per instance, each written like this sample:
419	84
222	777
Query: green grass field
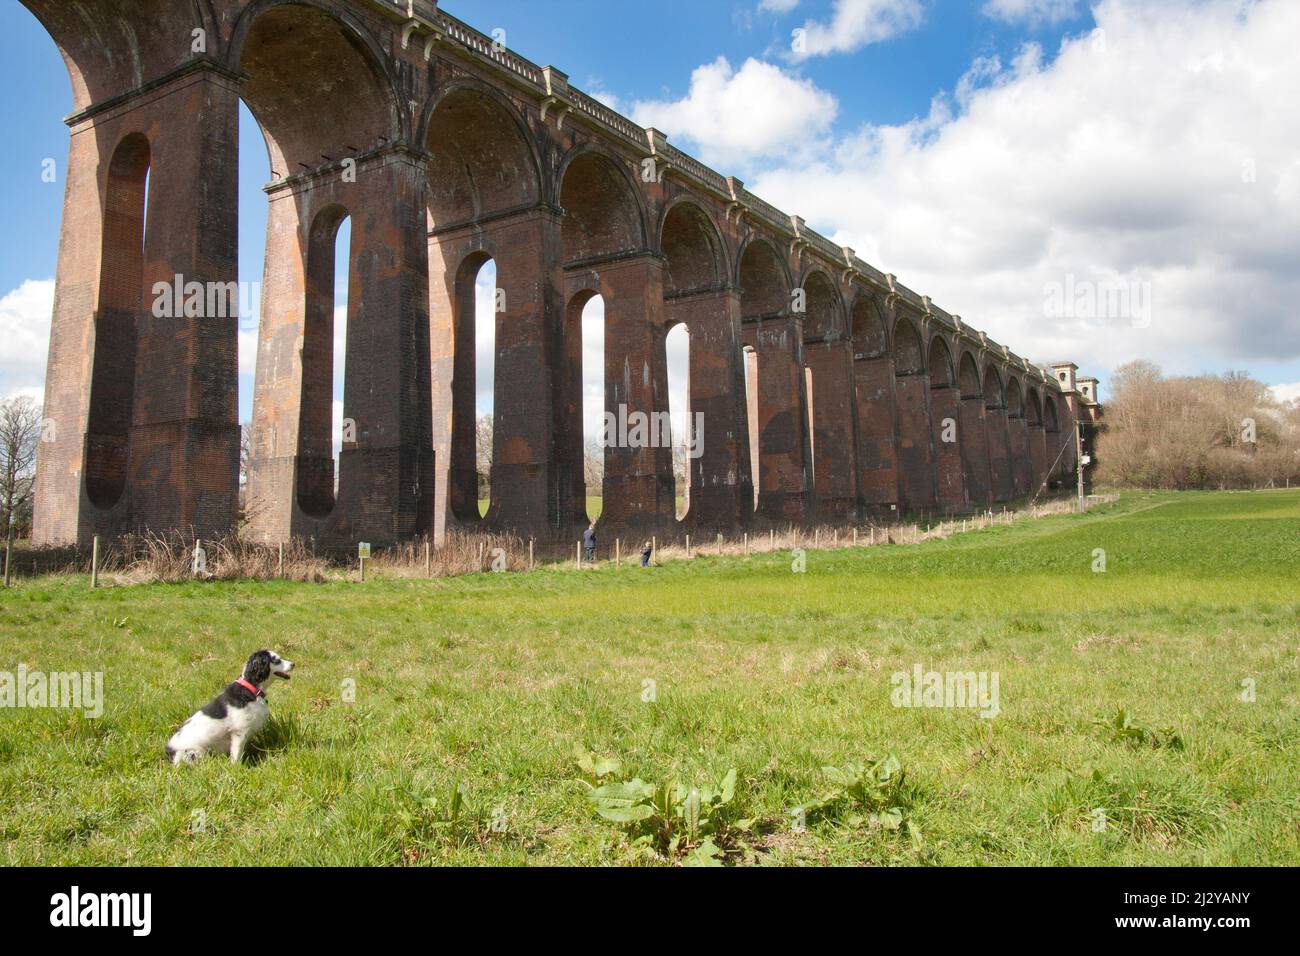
491	684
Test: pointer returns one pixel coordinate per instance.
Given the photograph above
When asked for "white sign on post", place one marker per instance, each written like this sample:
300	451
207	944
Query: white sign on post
363	551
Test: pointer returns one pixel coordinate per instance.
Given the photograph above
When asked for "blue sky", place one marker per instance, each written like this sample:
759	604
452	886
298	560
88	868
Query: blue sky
970	147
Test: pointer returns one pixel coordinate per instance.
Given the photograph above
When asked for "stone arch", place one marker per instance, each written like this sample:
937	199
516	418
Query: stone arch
909	354
869	336
822	315
994	393
121	300
481	158
914	431
112	46
603	215
692	249
1015	398
317	85
1033	408
763	278
941	373
1051	416
968	377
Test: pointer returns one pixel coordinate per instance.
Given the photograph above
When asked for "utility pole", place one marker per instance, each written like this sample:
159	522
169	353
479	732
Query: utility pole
1078	455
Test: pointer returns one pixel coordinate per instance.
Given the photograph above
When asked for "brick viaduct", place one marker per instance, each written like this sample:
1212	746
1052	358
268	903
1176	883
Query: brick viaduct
446	150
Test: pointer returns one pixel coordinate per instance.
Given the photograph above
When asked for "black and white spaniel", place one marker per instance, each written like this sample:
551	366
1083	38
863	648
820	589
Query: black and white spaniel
234	716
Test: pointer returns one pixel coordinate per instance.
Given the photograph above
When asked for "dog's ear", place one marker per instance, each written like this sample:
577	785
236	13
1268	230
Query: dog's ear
258	668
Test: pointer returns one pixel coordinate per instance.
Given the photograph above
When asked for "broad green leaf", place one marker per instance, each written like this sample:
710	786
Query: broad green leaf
729	785
630	814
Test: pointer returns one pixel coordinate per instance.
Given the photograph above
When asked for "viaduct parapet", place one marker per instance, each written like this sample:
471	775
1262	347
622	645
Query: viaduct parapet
827	389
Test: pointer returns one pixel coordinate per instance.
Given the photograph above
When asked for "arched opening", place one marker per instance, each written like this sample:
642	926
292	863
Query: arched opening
344	429
678	347
873	392
317	92
1051	420
969	378
254	207
601	215
945	422
121	299
1001	472
994	396
751	413
1015	399
940	364
486	311
868	328
1034	409
585	333
908	353
479	162
764	285
777	422
321	415
825	387
1018	447
689	244
821	313
593	403
915	432
471	386
809	404
973	435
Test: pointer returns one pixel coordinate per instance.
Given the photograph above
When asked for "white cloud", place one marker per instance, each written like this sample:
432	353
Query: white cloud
1287	393
778	6
855	24
1031	12
595	88
1161	154
736	116
25	338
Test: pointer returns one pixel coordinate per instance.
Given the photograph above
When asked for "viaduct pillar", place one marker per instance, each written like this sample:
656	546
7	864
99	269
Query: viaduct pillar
142	429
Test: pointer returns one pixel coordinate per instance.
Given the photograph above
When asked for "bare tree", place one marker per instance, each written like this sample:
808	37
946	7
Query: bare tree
593	468
245	451
20	431
245	454
1202	431
483	454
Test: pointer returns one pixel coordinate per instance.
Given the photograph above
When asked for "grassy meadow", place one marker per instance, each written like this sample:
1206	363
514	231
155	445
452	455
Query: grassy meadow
1148	712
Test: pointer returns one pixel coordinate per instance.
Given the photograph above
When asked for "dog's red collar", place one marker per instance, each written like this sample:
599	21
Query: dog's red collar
251	688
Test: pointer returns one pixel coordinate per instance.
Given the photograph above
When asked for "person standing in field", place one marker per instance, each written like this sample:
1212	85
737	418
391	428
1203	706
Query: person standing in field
646	552
589	543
